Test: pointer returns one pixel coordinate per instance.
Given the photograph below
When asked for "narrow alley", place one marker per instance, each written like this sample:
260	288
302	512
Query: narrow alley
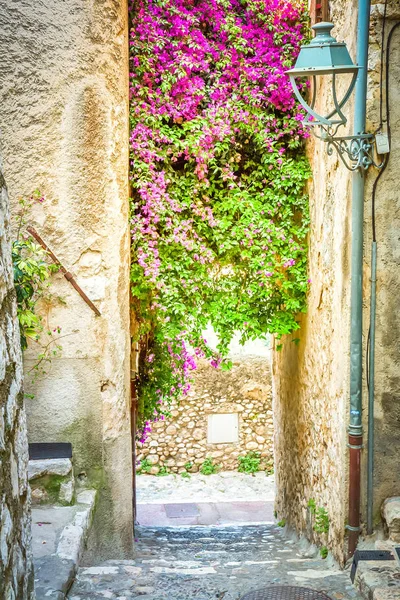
204	563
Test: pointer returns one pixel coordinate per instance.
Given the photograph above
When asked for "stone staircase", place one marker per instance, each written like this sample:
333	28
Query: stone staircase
61	519
211	563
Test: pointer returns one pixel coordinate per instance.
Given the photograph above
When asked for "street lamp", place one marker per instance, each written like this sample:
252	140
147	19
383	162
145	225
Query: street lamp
321	57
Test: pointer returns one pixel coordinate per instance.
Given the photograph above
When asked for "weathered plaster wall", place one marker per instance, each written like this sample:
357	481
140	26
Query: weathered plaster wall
64	122
245	390
16	571
311	380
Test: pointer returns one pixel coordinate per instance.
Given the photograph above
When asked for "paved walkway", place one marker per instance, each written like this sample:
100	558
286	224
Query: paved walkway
210	563
228	486
226	498
205	513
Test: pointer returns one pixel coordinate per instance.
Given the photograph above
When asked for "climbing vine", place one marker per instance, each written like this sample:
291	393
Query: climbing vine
219	213
32	272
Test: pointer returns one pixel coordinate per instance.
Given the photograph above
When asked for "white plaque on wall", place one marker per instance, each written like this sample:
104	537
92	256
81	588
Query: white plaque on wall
223	428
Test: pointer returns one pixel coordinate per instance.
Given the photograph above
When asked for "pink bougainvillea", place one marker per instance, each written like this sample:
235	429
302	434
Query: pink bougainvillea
219	214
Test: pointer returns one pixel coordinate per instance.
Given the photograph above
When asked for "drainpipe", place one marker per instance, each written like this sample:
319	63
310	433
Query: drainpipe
355	429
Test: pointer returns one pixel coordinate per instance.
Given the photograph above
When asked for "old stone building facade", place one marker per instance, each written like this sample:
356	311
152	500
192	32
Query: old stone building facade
16	573
311	380
64	131
226	414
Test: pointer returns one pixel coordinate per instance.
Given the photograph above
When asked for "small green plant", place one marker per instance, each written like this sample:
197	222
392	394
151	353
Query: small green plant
209	467
323	552
144	466
188	466
163	471
281	523
321	517
250	463
185	475
321	520
32	271
312	506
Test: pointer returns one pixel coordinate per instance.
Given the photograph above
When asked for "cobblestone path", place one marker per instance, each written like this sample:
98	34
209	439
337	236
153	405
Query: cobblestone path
204	563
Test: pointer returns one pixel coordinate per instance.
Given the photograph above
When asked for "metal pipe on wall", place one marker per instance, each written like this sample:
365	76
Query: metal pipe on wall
355	429
371	392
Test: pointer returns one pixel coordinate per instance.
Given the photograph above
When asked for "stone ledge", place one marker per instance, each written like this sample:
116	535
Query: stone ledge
53	466
378	580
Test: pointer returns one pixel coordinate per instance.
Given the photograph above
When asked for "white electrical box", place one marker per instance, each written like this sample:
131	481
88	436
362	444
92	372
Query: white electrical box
382	143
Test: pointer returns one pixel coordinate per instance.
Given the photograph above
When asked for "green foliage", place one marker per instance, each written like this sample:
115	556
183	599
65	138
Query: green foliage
323	551
163	471
312	506
219	211
32	271
281	523
144	467
209	467
321	517
187	467
321	524
250	463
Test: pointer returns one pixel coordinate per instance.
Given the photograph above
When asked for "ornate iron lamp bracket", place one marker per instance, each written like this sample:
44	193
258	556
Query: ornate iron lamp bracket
355	152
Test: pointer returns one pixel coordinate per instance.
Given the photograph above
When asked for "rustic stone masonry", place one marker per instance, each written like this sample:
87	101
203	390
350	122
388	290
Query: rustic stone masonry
243	392
16	575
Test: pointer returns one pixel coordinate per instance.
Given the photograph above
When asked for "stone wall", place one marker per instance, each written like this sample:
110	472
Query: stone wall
311	380
184	437
16	571
64	121
387	376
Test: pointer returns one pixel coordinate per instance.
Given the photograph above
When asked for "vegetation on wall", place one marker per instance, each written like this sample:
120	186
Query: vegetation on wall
219	212
32	272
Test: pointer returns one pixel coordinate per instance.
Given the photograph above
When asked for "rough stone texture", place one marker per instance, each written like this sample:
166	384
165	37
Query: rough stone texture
210	563
391	516
311	379
64	119
16	573
182	438
387	377
378	580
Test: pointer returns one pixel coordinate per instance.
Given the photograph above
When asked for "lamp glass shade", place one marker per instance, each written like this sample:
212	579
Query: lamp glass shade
323	55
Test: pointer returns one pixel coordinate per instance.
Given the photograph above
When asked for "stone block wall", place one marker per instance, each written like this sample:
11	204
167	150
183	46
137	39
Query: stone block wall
16	571
183	438
311	379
